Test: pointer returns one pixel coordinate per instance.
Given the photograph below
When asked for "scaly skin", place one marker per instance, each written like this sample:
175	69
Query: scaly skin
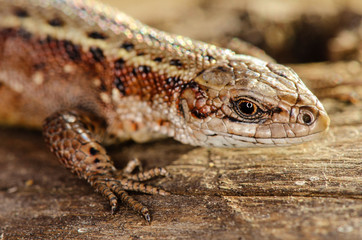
97	75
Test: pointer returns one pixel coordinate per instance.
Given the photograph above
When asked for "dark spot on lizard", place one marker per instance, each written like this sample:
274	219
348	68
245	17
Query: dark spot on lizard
158	59
24	34
112	136
93	152
140	54
97	35
209	57
56	22
119	85
171	81
21	13
103	87
144	68
103	17
47	40
198	114
128	46
277	110
72	50
193	85
82	9
97	54
181	109
176	62
222	69
97	160
113	21
119	64
39	66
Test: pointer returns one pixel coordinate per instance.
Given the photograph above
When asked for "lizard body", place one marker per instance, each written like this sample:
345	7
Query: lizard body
89	75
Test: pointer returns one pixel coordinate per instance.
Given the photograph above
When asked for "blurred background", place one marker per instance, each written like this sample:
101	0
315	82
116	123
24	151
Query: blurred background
291	31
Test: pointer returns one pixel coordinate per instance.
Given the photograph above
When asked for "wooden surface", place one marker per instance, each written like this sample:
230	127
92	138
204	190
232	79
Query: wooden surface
309	191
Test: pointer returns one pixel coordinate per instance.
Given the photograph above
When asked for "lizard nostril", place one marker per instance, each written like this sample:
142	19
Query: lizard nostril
306	117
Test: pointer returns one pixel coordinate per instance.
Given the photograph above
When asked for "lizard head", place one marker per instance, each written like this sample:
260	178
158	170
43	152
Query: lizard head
246	102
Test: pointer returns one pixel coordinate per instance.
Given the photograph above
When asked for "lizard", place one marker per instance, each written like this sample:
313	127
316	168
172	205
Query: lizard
89	75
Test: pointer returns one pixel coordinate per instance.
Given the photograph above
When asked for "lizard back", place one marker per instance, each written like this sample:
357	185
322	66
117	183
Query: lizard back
145	83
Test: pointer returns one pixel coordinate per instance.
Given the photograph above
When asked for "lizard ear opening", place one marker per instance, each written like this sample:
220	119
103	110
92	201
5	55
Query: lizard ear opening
216	77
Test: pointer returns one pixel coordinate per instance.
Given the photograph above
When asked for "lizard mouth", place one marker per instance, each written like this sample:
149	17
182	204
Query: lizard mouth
278	134
235	141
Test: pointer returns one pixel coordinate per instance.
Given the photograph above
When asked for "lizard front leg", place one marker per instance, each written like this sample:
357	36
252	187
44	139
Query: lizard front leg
74	136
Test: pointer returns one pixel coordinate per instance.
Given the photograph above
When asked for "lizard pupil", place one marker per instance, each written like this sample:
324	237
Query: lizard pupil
247	107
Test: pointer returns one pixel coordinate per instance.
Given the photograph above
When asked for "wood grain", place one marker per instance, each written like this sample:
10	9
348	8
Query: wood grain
309	191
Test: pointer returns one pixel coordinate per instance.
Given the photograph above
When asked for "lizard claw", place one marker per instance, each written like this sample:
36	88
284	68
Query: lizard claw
115	189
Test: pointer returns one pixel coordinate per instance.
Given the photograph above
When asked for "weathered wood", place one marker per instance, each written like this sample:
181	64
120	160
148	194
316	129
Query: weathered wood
309	191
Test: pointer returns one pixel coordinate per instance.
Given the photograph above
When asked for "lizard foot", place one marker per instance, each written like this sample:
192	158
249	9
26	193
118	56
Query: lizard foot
114	188
74	136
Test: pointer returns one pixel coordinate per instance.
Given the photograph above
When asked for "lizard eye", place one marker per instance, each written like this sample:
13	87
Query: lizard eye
246	108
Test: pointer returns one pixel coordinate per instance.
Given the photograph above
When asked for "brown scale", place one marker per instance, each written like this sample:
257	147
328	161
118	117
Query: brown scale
142	81
197	101
75	136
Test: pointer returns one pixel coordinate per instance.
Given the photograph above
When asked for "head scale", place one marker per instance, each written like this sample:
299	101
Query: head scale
246	102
